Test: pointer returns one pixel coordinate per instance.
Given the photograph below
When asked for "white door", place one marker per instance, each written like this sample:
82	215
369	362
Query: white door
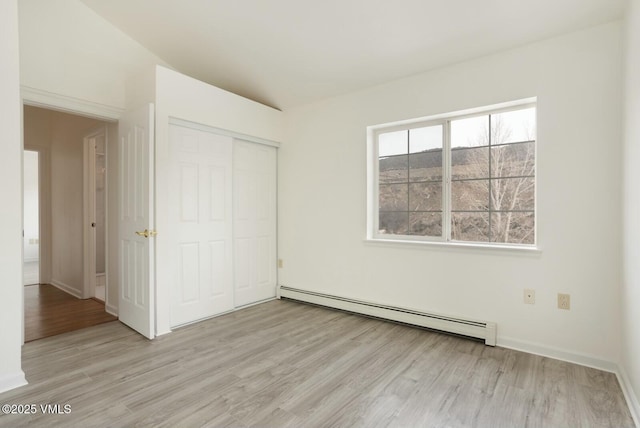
200	217
137	243
254	182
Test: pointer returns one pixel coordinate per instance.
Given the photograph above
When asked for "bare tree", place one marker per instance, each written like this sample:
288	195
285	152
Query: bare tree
502	191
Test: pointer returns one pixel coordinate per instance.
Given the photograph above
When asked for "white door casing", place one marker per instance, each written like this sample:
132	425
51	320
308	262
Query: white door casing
200	224
137	252
90	143
254	191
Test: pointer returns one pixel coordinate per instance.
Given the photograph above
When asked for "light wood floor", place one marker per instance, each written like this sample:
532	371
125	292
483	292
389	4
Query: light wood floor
49	311
286	364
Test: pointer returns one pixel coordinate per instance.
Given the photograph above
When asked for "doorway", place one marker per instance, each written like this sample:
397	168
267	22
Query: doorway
57	140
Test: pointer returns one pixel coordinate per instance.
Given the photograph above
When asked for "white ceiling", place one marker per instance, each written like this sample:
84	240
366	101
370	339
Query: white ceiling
285	53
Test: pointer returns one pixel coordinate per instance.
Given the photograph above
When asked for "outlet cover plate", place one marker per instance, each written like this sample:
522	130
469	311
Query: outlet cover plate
564	301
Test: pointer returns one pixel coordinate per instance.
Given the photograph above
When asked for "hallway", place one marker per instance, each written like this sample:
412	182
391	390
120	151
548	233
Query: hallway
50	311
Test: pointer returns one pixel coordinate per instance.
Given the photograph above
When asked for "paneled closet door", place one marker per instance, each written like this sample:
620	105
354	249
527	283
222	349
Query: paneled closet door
254	214
200	189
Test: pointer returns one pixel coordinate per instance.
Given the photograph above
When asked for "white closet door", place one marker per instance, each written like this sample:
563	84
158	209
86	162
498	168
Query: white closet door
254	214
201	224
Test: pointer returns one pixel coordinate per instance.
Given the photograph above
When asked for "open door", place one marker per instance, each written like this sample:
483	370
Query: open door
137	244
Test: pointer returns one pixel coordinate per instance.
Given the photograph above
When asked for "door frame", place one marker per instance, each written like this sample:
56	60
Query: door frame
89	214
52	101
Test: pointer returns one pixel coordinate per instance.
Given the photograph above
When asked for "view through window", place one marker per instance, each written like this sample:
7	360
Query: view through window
469	178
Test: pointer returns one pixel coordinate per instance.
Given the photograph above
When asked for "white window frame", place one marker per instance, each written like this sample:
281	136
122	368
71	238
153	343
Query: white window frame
373	182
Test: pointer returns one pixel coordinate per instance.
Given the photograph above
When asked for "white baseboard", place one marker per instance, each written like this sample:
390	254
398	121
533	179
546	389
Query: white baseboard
629	394
66	288
12	381
558	354
110	309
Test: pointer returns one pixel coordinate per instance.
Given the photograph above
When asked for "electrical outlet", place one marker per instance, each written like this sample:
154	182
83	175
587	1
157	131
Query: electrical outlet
529	296
280	263
564	301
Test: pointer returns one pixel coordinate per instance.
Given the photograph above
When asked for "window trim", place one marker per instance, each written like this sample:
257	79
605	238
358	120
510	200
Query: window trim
373	178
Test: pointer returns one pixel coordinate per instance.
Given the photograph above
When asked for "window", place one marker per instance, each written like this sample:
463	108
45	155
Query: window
462	178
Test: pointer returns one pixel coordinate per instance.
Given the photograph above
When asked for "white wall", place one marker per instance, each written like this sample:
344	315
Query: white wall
631	209
31	207
67	134
322	199
67	49
11	289
182	97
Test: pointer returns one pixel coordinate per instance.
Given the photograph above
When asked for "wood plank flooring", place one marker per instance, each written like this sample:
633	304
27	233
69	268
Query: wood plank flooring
285	364
49	311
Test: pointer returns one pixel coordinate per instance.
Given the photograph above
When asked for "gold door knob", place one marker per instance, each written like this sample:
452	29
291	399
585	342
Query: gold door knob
147	233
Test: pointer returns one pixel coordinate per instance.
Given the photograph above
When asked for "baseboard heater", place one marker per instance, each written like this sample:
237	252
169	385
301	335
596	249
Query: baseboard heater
465	327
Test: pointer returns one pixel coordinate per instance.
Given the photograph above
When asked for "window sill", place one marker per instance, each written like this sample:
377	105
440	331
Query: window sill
474	246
